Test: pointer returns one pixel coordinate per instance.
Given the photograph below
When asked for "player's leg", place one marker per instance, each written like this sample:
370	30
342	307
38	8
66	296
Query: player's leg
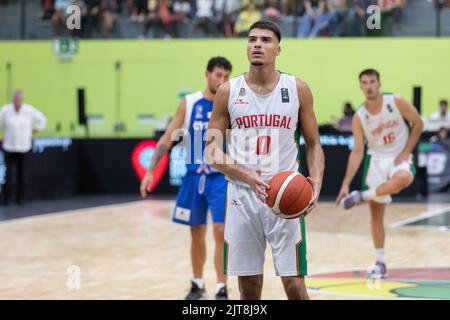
399	177
287	238
375	173
399	181
295	288
250	287
221	289
215	194
198	250
7	187
20	177
191	210
377	211
245	242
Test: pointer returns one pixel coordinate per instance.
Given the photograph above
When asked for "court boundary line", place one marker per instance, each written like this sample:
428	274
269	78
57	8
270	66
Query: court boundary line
421	216
79	211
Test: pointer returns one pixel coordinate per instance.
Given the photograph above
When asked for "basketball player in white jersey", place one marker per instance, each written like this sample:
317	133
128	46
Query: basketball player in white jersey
384	121
263	111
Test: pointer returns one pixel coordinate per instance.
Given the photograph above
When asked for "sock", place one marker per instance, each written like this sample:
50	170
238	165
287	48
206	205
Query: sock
219	286
369	194
199	282
379	255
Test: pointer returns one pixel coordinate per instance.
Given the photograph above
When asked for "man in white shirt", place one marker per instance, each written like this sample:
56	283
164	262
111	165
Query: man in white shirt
442	116
203	18
18	121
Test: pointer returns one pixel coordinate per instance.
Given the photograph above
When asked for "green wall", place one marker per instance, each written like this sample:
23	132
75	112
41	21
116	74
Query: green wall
153	72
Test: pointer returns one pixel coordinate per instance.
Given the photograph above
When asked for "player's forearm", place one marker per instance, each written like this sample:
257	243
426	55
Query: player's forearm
234	171
354	161
216	158
161	150
414	137
316	162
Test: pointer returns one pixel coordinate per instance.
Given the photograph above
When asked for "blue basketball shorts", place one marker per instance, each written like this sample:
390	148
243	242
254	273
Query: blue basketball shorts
198	195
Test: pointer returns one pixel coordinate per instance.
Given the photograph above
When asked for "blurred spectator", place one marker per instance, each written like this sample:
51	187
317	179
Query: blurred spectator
93	16
47	9
138	9
315	18
152	19
272	10
59	16
109	10
226	12
343	20
203	18
158	16
442	116
392	8
165	14
287	7
441	137
18	121
181	12
344	124
250	13
391	12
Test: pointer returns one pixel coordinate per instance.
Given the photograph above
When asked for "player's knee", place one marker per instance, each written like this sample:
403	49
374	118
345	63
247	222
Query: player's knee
219	230
406	181
403	180
198	233
295	290
250	287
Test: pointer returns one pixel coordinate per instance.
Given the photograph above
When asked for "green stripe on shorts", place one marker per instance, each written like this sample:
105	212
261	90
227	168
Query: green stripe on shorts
225	257
365	171
302	263
412	167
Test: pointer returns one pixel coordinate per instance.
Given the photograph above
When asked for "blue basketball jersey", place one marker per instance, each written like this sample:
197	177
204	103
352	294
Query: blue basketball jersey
198	113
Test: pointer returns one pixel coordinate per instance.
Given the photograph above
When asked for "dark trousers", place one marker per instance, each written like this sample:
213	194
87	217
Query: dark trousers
14	176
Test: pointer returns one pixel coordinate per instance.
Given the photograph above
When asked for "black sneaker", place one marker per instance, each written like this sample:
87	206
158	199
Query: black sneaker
222	294
196	293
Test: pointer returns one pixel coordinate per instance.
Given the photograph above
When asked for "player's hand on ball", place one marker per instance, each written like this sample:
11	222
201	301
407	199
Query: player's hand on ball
316	185
258	185
342	193
146	183
401	157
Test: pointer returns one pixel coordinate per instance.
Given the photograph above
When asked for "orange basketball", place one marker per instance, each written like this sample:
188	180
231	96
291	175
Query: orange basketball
289	194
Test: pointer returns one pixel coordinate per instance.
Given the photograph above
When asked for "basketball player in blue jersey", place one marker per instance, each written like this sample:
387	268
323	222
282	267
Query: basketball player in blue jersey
391	127
203	188
270	108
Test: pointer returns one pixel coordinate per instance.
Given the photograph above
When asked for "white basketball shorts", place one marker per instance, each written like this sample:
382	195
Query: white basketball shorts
249	225
377	169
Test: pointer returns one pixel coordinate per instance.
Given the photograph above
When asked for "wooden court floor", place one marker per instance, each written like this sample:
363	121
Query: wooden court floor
134	251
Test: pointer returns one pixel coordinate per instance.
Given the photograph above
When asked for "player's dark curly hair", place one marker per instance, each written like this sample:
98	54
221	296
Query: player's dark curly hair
219	62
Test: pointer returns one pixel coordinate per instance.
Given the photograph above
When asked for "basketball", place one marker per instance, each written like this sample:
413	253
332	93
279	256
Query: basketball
289	194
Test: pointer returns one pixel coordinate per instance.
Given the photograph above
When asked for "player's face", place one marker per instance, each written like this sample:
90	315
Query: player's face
262	47
370	86
216	77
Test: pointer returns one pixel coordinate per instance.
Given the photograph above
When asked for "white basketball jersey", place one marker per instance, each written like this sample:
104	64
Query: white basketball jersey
386	132
264	133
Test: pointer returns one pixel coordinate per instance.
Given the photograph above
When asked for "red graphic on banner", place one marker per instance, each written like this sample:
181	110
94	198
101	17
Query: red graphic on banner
141	157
